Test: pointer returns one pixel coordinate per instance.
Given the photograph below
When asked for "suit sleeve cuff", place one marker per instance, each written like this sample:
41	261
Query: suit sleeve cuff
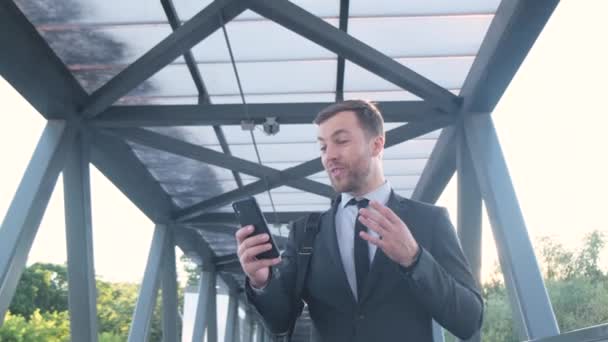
408	271
256	291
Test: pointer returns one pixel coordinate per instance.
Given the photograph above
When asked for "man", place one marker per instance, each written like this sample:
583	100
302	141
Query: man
378	273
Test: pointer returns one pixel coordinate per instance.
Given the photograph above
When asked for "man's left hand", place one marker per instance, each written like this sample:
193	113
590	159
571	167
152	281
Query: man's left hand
395	238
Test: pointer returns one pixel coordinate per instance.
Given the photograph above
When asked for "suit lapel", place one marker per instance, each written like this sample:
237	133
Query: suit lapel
381	263
331	240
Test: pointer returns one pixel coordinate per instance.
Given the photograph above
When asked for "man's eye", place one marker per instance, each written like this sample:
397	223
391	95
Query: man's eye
340	142
323	148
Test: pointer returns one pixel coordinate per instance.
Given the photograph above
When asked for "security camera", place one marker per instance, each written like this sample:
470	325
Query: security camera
271	126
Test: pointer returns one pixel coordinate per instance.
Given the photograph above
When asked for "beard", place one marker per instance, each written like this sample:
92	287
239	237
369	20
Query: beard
353	178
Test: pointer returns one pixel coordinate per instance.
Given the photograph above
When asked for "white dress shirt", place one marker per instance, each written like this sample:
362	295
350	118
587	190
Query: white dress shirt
345	230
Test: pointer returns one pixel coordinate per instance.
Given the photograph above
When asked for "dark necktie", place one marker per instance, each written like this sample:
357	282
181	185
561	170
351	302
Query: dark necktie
361	248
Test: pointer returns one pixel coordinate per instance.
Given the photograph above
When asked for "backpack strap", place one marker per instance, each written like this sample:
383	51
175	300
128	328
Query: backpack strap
304	243
305	249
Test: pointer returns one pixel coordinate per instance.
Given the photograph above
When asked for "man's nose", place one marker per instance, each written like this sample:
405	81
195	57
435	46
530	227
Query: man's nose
331	153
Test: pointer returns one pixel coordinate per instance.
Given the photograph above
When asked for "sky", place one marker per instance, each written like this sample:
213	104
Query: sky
551	124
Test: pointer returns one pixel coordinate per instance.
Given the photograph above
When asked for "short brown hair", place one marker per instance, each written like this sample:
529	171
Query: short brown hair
368	114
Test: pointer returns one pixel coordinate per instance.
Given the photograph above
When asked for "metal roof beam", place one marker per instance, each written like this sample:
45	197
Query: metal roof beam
530	303
221	138
597	333
175	23
229	232
343	25
116	160
323	33
191	242
203	95
20	225
234	114
176	44
33	69
393	137
513	31
230	218
141	321
438	169
206	155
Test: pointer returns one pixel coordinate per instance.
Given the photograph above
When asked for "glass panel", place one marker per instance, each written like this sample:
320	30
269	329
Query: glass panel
221	243
298	207
423	36
250	42
387	95
188	8
187	181
285	77
286	195
89	12
276	98
95	55
420	7
403	182
100	47
412	149
287	134
431	135
448	72
212	49
175	80
290	64
197	135
246	152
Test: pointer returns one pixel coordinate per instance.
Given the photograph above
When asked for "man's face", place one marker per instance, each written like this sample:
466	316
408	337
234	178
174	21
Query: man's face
346	152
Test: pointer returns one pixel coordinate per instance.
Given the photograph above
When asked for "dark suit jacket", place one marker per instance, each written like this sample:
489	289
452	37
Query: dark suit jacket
396	304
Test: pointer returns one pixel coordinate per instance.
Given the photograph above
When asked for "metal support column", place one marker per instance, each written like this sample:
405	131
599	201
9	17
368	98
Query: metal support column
146	301
82	292
259	332
23	217
205	308
169	290
530	301
212	311
232	318
438	334
269	336
248	327
251	335
237	325
469	212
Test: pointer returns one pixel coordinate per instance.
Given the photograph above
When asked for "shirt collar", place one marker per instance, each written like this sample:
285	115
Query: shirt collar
381	194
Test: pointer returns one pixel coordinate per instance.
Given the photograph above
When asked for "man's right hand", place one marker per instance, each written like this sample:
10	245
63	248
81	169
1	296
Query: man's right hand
257	270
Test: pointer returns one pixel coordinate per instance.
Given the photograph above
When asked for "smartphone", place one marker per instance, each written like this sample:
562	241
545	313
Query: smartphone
248	212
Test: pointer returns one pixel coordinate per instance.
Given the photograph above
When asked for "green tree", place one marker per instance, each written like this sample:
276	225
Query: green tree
576	281
192	270
43	287
115	306
560	263
41	296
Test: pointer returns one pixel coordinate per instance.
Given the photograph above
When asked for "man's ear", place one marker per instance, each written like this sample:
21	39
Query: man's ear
377	145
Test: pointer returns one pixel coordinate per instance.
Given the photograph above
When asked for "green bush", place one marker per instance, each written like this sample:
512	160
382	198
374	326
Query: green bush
48	327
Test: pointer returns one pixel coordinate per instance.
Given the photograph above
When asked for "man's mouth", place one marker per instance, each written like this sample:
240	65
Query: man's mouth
336	171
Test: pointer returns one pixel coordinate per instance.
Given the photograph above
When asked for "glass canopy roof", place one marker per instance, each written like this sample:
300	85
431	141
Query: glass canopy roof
96	40
438	39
